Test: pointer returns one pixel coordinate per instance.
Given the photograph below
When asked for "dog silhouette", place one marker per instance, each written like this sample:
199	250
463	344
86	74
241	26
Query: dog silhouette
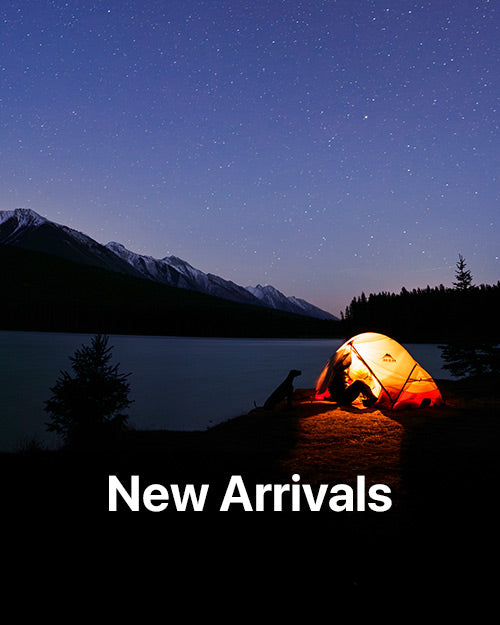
284	391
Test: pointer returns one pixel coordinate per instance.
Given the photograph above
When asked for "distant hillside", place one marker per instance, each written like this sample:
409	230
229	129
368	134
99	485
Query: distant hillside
45	292
27	229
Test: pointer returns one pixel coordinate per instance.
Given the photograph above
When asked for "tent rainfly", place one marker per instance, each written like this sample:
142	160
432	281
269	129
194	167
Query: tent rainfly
394	376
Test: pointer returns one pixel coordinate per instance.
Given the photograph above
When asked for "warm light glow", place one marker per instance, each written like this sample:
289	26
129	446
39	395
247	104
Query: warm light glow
391	372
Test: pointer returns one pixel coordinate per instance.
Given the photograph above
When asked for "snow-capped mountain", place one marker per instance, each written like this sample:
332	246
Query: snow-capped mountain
192	278
177	272
21	218
275	299
26	229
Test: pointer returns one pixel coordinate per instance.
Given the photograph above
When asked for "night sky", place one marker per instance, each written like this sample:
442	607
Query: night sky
324	147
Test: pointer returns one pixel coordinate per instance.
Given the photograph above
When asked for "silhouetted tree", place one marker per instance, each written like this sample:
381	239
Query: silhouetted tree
462	275
86	407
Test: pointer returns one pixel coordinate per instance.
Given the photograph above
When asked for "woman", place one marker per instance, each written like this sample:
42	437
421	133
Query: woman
344	393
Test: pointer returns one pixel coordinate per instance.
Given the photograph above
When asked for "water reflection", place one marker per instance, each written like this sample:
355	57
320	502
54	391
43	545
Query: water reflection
176	382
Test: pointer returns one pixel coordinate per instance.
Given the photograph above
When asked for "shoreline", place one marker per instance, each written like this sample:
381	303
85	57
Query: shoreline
440	464
420	453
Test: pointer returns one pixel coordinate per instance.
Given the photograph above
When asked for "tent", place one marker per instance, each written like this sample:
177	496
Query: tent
394	376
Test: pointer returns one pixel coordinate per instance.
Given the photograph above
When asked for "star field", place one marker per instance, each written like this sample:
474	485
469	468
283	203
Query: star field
324	147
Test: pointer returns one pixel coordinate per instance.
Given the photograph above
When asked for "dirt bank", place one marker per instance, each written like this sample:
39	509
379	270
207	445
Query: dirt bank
440	465
429	457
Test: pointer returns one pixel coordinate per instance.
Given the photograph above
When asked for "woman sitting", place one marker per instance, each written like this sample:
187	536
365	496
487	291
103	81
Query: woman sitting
344	393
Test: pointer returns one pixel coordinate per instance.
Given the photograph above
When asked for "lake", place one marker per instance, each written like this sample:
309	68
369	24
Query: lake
177	383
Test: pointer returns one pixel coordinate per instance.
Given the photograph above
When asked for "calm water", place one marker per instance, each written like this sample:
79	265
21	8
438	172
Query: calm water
176	383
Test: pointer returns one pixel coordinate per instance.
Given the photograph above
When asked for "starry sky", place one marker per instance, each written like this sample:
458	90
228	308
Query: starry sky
326	147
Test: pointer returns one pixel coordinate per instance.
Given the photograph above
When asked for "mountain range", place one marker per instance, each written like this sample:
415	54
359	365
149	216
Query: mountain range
26	229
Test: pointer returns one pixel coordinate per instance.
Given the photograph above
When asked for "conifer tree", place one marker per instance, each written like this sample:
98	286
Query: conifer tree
463	276
87	407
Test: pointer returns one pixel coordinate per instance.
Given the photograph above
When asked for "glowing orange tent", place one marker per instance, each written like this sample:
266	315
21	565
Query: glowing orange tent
394	376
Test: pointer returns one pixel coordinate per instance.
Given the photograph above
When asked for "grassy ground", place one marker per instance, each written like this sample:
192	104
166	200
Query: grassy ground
418	453
327	444
440	464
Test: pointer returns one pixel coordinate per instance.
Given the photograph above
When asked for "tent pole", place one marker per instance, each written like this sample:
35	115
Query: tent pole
402	388
370	370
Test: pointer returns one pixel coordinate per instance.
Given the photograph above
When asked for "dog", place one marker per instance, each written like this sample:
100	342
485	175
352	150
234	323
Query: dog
284	391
